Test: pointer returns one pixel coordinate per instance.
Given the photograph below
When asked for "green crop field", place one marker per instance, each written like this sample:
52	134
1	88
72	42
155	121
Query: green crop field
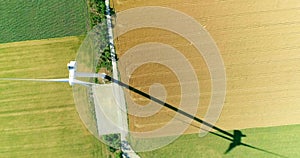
40	19
40	119
283	140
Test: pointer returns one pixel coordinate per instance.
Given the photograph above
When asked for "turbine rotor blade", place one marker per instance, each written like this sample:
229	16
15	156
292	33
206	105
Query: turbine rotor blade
90	75
36	80
83	83
48	80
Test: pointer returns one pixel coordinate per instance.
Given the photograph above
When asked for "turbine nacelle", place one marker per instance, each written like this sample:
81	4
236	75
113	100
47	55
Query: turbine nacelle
72	70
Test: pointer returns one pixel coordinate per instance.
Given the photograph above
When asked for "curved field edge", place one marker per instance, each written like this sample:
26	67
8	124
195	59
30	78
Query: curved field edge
40	119
281	140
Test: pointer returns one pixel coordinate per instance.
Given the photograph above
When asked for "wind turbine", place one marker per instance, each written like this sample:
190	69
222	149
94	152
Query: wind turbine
72	76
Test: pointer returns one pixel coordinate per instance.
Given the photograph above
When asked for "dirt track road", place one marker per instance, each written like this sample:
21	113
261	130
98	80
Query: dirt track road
260	44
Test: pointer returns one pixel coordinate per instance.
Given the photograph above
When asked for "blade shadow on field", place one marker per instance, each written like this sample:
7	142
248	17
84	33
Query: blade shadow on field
235	138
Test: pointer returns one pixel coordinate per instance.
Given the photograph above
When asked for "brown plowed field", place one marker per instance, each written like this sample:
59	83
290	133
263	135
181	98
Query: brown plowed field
260	44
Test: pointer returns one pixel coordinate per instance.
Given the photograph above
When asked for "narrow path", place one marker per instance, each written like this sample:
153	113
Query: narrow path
117	90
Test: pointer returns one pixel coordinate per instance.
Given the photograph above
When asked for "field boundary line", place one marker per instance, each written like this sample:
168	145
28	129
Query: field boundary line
38	42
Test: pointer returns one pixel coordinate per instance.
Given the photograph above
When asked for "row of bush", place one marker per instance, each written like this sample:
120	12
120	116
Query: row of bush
97	11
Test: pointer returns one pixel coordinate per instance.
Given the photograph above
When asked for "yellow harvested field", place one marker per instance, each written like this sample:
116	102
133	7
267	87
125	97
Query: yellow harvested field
259	42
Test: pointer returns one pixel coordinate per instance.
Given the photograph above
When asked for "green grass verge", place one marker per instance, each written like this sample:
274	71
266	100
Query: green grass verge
40	119
41	19
97	11
283	140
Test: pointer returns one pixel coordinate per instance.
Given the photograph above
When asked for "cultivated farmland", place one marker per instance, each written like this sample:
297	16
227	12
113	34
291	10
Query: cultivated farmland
40	119
262	76
259	43
282	140
40	19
